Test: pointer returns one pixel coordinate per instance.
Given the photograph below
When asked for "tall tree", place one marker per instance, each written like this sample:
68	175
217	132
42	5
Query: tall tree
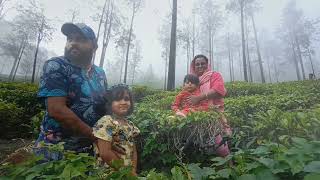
308	34
186	37
121	49
41	26
164	39
107	30
243	41
274	56
135	7
258	50
2	8
14	46
239	6
291	29
15	42
100	19
172	57
248	51
136	59
230	57
211	20
74	14
251	8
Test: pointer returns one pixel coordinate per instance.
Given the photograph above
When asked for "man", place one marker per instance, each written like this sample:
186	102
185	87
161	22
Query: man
71	87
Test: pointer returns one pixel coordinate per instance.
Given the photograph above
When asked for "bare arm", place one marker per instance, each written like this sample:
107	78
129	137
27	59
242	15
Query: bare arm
134	160
58	109
105	151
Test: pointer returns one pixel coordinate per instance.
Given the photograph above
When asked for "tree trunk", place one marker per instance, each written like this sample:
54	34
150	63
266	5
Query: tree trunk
230	66
229	57
193	36
188	55
295	62
172	57
106	33
133	71
36	53
128	46
269	70
16	60
121	69
212	62
245	73
258	50
248	54
300	58
276	70
209	50
311	63
100	23
165	70
240	67
19	59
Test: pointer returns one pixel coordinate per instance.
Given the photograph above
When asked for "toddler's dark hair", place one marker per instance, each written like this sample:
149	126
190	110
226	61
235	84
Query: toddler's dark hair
115	93
191	78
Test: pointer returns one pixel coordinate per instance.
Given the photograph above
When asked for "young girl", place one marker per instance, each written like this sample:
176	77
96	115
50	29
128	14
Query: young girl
182	104
115	131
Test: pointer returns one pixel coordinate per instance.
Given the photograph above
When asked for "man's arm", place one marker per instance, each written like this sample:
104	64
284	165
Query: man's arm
58	109
105	151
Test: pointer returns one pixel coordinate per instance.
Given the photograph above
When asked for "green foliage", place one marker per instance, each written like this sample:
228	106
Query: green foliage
300	159
10	119
264	118
140	92
36	122
22	96
71	166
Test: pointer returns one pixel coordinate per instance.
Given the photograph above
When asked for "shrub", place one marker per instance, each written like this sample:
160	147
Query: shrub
11	122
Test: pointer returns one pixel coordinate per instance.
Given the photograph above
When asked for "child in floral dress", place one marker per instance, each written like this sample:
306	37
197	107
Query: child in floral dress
114	131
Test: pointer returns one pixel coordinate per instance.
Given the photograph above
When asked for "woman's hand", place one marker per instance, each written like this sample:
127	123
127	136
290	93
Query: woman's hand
227	131
195	99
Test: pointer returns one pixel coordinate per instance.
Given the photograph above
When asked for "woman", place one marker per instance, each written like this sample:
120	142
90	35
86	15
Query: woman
212	89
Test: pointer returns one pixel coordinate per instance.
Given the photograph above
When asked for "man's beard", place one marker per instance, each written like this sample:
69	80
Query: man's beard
83	59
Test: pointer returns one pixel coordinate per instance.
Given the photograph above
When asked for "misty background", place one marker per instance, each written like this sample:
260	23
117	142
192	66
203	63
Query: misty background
281	38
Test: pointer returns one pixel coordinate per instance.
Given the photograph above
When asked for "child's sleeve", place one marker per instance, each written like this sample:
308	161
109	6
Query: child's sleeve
177	102
136	131
104	129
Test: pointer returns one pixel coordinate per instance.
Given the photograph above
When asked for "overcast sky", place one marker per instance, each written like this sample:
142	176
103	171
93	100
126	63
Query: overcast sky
149	19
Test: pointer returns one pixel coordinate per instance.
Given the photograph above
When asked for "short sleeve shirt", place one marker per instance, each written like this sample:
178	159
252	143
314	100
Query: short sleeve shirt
83	90
108	129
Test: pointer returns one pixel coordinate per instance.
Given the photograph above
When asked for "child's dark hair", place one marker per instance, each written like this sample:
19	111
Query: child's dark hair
191	78
115	93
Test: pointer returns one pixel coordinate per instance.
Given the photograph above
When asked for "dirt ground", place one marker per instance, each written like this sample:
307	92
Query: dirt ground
9	146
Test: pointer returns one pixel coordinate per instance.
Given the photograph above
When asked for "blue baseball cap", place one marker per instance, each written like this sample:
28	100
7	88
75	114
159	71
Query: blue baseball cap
82	28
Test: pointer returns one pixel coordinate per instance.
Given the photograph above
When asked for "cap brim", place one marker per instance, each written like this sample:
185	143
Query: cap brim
69	28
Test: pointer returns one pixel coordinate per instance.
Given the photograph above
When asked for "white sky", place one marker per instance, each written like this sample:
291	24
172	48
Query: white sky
149	19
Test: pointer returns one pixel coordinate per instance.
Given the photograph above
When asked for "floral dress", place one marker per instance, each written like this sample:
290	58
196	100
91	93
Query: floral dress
110	130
